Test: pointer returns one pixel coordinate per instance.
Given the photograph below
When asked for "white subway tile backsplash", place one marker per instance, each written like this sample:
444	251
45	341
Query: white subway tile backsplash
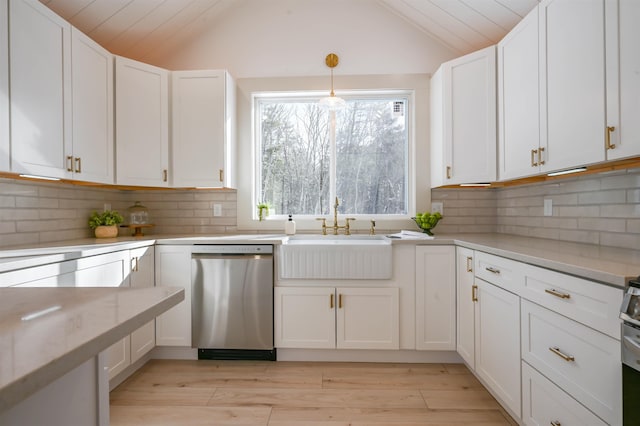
598	209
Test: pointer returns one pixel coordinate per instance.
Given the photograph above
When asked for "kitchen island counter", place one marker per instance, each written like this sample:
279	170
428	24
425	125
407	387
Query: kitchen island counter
46	333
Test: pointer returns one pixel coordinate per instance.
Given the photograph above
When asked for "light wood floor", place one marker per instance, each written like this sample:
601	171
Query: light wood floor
293	393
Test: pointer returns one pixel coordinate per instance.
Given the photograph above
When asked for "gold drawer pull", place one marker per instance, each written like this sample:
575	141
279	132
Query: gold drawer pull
78	161
564	356
69	163
331	301
556	293
540	160
493	270
469	267
340	301
448	172
534	152
474	293
555	423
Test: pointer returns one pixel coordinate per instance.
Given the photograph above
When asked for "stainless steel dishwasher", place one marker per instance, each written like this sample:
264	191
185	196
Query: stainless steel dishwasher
232	301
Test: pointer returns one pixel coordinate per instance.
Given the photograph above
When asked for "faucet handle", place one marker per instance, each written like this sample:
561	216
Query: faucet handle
372	230
324	225
347	230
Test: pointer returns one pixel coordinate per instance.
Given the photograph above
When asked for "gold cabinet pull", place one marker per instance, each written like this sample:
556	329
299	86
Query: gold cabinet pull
534	153
562	355
448	172
556	293
469	263
164	175
493	270
555	423
69	163
609	145
340	301
474	293
540	159
134	264
78	161
331	301
221	175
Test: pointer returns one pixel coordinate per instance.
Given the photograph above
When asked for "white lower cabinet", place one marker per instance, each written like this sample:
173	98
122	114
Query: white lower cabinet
543	403
497	340
435	298
343	318
173	269
583	362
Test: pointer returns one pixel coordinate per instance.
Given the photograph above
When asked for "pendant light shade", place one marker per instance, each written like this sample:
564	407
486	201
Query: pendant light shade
332	102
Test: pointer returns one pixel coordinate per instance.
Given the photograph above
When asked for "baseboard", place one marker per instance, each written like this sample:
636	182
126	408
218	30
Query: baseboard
353	355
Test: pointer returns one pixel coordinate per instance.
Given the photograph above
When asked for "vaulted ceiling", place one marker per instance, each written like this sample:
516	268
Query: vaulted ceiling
131	27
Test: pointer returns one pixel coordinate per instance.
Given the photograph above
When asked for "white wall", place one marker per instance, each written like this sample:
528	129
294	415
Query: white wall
283	38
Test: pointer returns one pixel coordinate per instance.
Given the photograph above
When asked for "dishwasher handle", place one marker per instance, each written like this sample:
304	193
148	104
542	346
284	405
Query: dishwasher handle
231	255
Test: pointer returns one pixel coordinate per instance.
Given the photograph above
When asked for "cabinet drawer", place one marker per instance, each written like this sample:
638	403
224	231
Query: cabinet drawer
544	403
581	361
595	305
499	271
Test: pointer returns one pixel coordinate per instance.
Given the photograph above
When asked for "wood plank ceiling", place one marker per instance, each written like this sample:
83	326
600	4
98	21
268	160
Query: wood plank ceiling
133	27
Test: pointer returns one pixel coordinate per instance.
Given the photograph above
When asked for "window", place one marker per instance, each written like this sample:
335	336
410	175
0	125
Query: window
307	156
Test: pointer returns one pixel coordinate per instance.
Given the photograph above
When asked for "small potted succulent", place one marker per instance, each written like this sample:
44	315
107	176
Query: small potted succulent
105	224
263	210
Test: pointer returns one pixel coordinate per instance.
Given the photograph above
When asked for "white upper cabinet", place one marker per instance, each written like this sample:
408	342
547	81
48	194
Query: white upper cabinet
4	87
92	86
572	83
466	146
203	106
40	87
623	79
518	101
142	124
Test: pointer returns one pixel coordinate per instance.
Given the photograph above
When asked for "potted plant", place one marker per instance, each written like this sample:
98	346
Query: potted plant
263	210
105	224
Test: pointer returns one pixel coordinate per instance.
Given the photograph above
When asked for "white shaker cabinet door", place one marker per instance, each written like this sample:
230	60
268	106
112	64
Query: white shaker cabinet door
143	275
367	318
435	298
4	87
92	82
625	138
304	317
173	269
497	341
199	128
465	320
572	80
518	102
40	85
142	124
470	118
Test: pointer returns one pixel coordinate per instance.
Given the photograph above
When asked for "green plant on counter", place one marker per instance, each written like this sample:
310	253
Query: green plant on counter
427	221
263	210
106	218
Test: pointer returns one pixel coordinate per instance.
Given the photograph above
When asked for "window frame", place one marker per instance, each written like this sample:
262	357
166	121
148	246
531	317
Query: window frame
408	95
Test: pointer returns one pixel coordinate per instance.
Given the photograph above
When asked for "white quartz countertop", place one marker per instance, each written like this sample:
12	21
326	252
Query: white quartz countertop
608	265
47	332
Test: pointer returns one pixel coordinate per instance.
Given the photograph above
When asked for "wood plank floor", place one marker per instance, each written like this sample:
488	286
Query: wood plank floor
299	393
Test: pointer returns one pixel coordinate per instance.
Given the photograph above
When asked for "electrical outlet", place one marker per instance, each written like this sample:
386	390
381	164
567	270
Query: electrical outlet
106	207
548	207
217	209
437	208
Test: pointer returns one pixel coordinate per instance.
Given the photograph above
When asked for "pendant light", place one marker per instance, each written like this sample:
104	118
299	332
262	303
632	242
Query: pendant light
332	102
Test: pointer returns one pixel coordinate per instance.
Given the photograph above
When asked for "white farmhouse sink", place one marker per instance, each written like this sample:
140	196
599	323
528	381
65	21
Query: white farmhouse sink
336	257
